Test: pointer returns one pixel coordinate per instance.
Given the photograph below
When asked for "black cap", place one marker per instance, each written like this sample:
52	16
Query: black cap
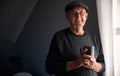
74	4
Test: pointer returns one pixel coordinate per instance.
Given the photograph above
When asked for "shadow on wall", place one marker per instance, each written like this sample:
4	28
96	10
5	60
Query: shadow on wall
9	63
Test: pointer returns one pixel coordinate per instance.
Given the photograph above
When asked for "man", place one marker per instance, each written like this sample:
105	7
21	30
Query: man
66	55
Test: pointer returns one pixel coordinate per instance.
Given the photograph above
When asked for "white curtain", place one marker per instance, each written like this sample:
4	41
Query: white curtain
109	25
116	36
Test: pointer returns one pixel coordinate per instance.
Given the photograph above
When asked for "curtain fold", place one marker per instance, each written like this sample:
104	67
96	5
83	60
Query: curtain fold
116	36
104	9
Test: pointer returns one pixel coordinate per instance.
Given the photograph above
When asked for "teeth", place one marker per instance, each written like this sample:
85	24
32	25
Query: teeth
78	21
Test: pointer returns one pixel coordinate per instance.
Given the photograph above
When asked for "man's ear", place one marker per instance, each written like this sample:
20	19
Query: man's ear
86	15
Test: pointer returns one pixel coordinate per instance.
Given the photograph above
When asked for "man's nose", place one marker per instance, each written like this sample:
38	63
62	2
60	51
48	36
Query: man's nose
78	15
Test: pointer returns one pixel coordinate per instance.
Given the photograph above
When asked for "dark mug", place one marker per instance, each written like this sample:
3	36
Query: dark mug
90	50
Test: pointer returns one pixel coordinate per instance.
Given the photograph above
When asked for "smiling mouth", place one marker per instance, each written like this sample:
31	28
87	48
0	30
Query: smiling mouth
79	21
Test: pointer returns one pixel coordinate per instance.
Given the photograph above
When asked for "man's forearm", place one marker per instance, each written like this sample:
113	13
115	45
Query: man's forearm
71	65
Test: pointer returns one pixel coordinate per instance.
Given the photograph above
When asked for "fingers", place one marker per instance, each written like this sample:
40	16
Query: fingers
87	56
88	61
88	64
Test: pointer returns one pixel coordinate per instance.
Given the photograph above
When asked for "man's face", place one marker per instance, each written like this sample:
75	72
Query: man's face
77	16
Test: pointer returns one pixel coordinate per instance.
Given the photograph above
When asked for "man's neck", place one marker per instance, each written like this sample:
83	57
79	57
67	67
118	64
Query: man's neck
77	30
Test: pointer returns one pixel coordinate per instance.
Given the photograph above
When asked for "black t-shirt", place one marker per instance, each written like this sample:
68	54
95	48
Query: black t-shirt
66	46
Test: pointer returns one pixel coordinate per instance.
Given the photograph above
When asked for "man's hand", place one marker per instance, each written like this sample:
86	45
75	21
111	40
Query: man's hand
91	63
